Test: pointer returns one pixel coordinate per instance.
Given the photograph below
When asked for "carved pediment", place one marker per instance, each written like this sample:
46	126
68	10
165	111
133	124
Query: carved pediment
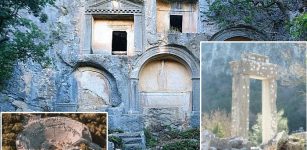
113	7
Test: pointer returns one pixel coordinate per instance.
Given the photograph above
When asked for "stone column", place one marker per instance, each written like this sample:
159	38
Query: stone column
87	34
138	33
269	113
240	105
134	101
150	23
196	94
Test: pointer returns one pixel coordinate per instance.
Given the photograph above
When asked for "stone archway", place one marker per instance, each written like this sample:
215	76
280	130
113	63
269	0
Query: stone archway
178	57
165	82
165	87
96	88
257	67
240	32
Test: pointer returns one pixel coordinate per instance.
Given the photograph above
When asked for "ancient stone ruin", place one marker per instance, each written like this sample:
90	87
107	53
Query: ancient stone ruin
54	133
256	67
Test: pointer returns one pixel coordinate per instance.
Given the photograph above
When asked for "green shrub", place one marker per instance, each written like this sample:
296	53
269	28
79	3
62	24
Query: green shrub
189	134
151	141
118	142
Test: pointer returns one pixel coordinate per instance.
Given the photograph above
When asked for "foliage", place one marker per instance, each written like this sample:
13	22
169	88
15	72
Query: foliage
298	26
170	136
189	134
227	14
118	142
151	141
21	39
110	131
217	91
255	135
184	144
218	122
173	30
273	14
11	126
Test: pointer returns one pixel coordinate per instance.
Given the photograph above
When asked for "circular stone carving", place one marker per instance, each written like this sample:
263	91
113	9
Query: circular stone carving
52	133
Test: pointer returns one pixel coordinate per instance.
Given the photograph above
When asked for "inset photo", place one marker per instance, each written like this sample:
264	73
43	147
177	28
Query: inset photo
50	131
253	95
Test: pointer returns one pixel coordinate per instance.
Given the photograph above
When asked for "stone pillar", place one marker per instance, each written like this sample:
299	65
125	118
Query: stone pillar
87	34
150	23
195	94
269	113
240	105
138	33
134	102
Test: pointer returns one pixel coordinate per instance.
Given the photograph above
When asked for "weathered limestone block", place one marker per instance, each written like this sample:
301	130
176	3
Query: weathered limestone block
281	140
174	117
210	142
52	132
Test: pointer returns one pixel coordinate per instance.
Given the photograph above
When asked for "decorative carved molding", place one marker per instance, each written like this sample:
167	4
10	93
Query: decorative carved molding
113	7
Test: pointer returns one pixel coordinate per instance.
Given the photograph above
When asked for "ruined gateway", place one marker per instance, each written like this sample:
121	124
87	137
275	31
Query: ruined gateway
258	67
54	133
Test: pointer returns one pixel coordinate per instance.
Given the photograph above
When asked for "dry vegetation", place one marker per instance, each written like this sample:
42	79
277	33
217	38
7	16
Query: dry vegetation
218	122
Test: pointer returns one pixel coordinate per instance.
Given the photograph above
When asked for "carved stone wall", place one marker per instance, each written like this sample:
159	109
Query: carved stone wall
94	91
102	35
189	12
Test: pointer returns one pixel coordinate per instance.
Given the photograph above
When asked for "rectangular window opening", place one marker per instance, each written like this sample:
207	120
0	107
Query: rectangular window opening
176	23
119	42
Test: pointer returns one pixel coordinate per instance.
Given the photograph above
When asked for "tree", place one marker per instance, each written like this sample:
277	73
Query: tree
272	15
20	38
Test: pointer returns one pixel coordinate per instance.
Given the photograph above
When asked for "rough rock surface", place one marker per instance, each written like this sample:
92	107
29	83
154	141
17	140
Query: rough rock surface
211	142
55	133
281	141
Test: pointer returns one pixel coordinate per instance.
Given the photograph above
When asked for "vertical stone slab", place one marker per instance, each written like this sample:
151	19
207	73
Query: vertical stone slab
269	113
195	94
87	33
134	105
150	23
240	105
138	32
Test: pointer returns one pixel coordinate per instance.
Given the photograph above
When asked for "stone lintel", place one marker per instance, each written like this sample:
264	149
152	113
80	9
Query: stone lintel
255	57
254	69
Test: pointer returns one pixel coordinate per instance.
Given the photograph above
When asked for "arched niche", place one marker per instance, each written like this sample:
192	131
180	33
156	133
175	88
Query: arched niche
162	75
165	82
96	89
239	33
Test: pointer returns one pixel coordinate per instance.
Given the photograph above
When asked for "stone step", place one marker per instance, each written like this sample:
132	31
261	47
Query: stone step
132	140
133	147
